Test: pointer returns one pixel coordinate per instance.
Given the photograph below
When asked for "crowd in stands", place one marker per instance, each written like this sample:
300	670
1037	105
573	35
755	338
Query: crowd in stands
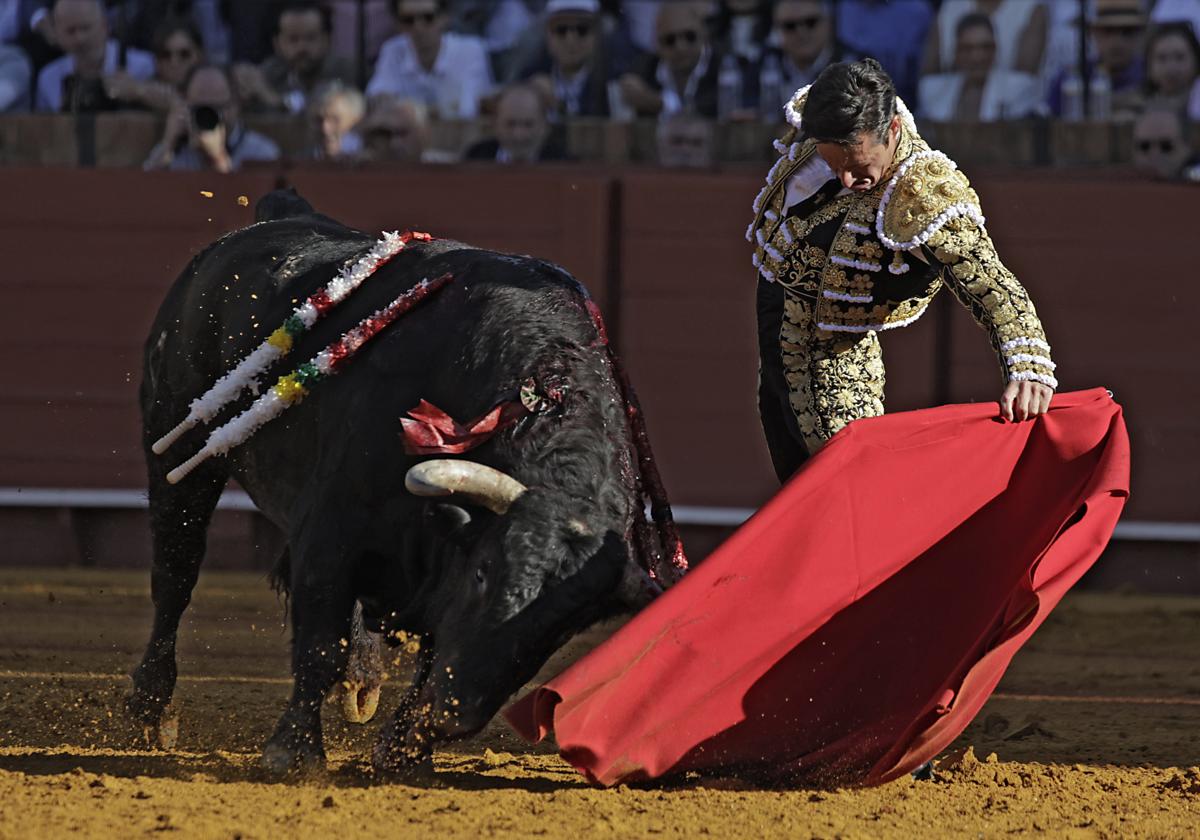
370	75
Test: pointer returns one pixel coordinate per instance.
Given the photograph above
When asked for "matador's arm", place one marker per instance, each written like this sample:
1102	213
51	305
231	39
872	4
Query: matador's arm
997	301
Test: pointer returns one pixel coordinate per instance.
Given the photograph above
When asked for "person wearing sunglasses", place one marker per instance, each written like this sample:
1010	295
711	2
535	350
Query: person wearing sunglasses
447	72
682	74
573	74
806	47
1160	145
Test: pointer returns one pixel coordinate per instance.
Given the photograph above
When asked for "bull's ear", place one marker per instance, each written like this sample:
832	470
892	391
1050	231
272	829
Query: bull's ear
448	519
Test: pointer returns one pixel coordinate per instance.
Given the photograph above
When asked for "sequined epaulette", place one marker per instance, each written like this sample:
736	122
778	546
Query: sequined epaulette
926	192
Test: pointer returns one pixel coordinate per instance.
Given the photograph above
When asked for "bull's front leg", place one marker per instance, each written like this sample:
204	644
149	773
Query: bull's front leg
404	747
322	604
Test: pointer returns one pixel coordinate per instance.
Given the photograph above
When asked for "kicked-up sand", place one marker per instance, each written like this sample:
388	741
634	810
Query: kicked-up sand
1093	733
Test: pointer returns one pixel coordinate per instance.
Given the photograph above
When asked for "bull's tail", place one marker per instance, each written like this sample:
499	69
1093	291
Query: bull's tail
280	576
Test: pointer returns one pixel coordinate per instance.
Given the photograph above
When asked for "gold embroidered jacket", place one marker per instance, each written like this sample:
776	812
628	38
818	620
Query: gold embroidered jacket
892	249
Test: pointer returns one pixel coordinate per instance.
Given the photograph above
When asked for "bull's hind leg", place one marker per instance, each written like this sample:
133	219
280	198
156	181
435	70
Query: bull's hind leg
322	604
179	517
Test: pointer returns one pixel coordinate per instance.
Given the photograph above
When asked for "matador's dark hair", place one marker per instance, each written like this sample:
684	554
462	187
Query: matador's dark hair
847	99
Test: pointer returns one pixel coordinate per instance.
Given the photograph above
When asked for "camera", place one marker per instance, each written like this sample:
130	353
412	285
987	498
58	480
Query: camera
205	117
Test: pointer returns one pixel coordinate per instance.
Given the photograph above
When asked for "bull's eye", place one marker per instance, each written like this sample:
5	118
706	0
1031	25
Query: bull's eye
480	575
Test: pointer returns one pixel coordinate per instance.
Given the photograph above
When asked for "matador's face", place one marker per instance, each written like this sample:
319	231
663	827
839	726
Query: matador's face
861	165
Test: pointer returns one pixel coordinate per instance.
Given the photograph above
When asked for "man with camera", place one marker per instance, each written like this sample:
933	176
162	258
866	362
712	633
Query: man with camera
204	133
85	79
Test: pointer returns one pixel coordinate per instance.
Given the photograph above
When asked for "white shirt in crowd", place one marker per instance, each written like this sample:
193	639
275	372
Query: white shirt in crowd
461	75
10	24
1008	24
1007	95
138	64
14	79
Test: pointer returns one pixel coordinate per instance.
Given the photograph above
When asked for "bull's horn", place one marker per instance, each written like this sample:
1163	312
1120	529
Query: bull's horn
486	486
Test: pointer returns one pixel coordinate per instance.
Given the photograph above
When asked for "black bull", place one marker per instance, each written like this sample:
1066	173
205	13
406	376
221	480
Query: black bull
492	588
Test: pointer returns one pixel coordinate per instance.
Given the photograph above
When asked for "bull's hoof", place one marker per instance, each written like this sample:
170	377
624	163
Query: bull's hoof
400	762
287	756
359	702
164	734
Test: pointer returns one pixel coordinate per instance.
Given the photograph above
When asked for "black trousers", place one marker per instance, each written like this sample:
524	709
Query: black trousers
784	441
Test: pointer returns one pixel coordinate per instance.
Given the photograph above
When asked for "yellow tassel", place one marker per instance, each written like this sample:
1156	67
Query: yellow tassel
289	390
280	339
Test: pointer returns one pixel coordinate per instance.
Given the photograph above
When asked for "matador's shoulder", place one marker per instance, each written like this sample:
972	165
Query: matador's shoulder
927	191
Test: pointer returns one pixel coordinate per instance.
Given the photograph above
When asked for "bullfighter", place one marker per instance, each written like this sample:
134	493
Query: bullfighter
859	225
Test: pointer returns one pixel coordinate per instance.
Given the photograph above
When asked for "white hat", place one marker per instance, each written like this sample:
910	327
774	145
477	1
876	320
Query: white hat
581	7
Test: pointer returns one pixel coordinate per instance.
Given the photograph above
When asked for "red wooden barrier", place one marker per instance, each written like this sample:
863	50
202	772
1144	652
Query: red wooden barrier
89	254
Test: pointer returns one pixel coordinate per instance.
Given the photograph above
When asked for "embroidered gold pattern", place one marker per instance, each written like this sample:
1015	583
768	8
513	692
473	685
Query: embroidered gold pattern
997	301
831	381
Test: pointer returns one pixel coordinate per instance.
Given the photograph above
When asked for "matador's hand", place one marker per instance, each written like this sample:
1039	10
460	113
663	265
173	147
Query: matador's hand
1023	399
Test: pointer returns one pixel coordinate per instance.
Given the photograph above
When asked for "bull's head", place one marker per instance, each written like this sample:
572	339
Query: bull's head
525	569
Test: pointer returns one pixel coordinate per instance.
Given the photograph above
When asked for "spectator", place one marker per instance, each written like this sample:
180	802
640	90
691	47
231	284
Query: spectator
1020	27
682	76
395	131
76	81
335	110
522	132
1117	30
15	74
977	90
178	50
685	141
1173	68
893	32
204	131
449	73
807	46
573	76
301	60
1160	145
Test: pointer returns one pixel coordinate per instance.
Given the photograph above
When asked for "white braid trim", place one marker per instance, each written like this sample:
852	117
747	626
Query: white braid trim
779	146
857	228
773	252
750	232
890	325
847	298
1044	361
903	269
951	212
861	265
1030	376
1024	341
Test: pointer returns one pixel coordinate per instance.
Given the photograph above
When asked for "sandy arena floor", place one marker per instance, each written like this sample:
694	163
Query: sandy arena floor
1095	733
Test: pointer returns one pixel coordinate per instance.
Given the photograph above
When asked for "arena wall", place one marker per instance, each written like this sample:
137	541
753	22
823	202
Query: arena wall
89	254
